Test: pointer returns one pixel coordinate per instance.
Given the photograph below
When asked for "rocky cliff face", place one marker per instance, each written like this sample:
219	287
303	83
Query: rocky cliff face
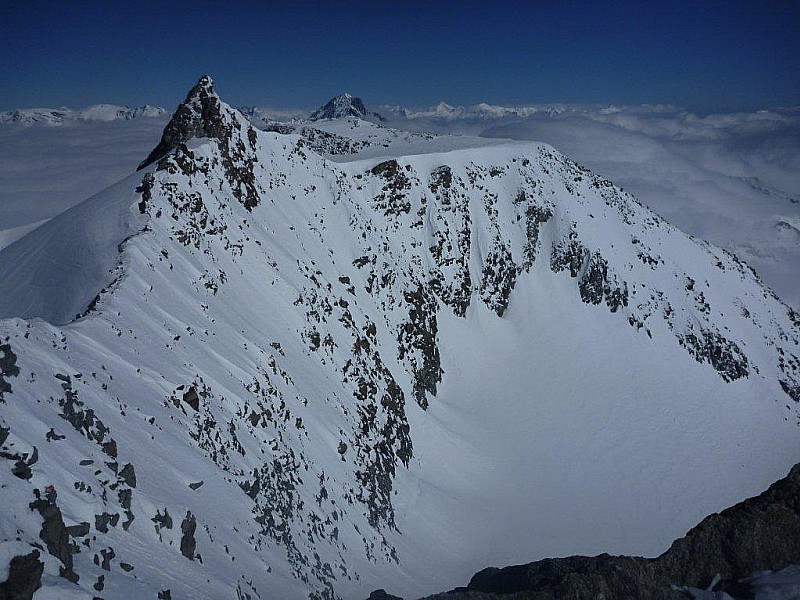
289	368
198	116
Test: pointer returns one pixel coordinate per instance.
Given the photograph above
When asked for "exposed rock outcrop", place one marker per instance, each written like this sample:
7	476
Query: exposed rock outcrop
24	577
197	116
761	533
54	533
8	368
382	595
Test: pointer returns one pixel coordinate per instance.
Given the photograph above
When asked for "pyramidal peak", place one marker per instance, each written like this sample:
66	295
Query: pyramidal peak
343	106
200	115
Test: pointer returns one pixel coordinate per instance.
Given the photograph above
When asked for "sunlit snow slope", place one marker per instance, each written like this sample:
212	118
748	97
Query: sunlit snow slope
732	179
303	377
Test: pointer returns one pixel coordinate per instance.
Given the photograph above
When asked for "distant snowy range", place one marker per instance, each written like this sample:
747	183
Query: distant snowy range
517	353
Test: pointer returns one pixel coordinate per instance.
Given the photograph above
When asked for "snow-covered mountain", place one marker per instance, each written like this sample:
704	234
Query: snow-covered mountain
347	133
250	370
707	174
60	116
343	106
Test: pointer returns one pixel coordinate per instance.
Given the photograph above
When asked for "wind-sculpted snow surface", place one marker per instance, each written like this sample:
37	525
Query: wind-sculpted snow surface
290	377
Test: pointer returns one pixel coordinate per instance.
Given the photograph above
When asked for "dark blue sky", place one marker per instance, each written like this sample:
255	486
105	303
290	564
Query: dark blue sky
705	55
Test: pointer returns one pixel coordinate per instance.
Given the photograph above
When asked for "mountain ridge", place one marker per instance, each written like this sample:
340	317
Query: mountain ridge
316	342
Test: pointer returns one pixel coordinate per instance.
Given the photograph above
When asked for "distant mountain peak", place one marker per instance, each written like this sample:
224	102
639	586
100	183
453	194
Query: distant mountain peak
343	106
199	115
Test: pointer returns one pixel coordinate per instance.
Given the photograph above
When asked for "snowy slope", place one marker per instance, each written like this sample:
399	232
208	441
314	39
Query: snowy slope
342	133
700	185
345	130
708	175
264	116
14	233
304	376
349	139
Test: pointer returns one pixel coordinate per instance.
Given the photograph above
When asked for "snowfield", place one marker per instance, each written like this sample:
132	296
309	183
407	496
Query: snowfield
255	371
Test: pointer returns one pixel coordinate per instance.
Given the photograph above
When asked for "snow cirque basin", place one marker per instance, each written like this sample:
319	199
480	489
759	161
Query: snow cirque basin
385	372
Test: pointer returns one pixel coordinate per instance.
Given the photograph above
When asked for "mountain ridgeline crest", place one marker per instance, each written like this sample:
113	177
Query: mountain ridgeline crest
287	371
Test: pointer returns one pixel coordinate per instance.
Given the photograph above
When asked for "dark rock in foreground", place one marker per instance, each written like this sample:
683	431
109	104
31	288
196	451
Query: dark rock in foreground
761	533
24	577
382	595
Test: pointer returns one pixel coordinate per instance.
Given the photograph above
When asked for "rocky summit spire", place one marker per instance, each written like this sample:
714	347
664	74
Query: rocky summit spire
342	106
198	116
